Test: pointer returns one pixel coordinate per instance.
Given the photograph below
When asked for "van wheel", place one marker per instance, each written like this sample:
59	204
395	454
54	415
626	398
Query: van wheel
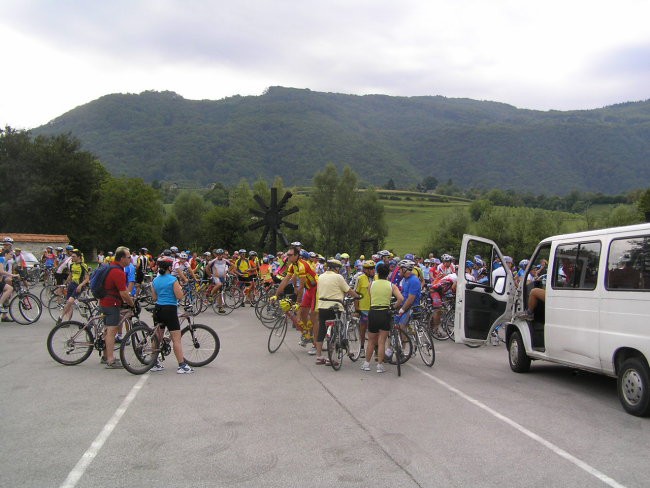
519	360
633	387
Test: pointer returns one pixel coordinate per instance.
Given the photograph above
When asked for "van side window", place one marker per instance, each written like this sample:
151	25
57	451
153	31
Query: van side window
628	264
576	266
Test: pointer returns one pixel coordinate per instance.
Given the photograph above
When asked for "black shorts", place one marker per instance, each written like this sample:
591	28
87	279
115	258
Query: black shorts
378	320
167	315
112	314
59	278
324	314
139	276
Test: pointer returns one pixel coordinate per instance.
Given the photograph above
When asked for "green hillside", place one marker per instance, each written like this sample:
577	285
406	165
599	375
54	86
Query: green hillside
294	133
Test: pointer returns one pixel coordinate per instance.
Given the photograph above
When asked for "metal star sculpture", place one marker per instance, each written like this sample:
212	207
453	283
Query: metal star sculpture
272	216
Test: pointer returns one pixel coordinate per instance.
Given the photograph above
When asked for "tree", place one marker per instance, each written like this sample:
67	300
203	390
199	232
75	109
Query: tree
341	216
428	183
390	185
644	205
190	209
129	212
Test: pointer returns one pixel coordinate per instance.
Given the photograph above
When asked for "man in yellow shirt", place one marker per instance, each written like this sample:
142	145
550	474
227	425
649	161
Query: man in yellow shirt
362	287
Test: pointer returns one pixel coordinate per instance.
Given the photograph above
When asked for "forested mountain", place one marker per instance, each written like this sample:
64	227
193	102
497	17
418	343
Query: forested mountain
294	133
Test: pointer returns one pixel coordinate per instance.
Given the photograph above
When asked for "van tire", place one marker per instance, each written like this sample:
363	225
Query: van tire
633	386
517	357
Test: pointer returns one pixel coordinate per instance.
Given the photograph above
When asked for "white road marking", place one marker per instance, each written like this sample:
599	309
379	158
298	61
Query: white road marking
549	445
88	456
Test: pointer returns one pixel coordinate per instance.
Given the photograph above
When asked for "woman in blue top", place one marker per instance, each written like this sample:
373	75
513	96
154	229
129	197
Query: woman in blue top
166	291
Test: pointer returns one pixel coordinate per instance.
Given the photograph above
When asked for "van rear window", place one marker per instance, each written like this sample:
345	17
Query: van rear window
628	264
575	266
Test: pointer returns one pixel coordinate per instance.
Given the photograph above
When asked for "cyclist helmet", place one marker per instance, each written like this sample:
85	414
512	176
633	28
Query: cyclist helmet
345	255
369	264
182	255
523	263
144	249
207	253
8	240
165	263
479	262
304	254
218	251
242	251
167	252
110	253
469	264
383	253
409	256
69	247
265	259
507	259
312	254
49	247
446	258
406	264
296	244
252	253
173	249
334	263
427	261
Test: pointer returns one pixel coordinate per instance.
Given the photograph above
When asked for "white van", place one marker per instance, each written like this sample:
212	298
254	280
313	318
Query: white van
594	311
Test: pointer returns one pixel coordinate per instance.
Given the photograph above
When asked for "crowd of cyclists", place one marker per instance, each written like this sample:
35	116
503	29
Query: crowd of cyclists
379	282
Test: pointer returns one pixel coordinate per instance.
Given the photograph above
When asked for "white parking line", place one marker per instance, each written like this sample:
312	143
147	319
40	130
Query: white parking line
88	456
549	445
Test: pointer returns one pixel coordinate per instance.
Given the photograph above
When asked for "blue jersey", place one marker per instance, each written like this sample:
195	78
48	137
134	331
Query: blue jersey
412	286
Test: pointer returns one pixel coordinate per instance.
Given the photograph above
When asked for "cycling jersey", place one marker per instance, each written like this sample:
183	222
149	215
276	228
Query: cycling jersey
78	272
243	267
219	267
304	271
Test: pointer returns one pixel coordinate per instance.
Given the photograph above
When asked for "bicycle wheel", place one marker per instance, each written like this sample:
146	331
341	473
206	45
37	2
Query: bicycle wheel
354	342
425	345
447	322
139	349
232	298
25	308
276	336
55	306
268	312
70	343
406	348
397	351
200	345
46	292
335	347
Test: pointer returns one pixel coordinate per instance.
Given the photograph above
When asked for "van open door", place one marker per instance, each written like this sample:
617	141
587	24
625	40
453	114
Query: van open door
489	299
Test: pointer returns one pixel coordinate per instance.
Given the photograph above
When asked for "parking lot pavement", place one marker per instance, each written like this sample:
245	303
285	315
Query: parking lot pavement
257	419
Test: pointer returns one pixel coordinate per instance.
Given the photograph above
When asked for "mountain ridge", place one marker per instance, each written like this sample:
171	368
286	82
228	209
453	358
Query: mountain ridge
295	132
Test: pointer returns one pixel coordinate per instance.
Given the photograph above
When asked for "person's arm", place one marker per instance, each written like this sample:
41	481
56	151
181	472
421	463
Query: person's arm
397	294
407	304
178	290
126	298
283	284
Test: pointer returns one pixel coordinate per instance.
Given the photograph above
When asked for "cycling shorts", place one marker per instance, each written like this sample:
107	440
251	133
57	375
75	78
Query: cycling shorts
71	292
167	315
309	299
378	320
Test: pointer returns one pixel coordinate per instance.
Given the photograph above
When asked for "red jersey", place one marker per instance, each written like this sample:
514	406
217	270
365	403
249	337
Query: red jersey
114	284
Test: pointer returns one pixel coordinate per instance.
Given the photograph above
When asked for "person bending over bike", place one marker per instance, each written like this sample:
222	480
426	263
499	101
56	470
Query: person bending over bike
166	291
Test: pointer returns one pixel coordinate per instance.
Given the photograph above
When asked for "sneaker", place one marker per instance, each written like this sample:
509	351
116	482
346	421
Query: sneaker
303	342
320	360
102	360
184	369
365	366
525	315
329	363
6	319
380	368
312	351
118	338
221	310
362	352
4	309
389	353
157	367
116	364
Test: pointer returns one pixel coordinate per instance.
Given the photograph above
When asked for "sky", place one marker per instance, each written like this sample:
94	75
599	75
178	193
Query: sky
543	55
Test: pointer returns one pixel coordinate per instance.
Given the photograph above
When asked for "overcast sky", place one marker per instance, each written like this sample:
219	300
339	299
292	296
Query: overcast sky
564	55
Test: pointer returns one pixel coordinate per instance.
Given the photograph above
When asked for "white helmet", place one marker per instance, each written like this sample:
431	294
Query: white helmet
182	255
8	240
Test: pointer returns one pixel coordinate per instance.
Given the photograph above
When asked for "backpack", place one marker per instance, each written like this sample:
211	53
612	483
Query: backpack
98	279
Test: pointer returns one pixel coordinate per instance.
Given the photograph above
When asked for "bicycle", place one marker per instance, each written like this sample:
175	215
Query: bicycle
25	307
400	343
286	310
421	339
85	304
72	342
342	333
142	346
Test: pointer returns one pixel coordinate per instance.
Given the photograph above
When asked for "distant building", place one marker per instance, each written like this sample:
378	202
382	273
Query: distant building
36	243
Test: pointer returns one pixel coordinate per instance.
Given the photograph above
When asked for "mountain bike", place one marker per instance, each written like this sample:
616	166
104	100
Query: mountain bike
143	345
400	343
25	307
342	333
421	338
72	342
287	311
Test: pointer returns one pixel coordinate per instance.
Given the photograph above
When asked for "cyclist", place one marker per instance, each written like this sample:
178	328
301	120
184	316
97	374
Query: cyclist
411	290
6	289
301	269
331	285
242	268
48	259
218	270
381	293
141	268
78	279
362	287
166	291
182	270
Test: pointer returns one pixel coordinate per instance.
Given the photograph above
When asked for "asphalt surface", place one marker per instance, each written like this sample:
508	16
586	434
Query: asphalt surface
278	420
